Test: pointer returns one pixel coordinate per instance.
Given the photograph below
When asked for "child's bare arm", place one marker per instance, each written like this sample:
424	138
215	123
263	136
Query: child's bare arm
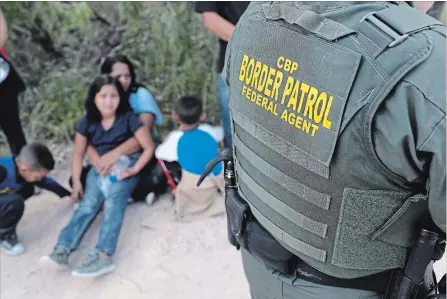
78	157
104	163
3	29
146	142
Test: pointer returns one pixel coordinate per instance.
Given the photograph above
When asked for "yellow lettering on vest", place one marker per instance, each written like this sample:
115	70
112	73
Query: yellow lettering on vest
244	89
256	72
304	90
259	98
326	122
263	77
287	89
294	96
277	85
248	95
267	90
249	71
287	65
314	129
264	103
313	93
306	126
243	68
299	122
272	108
294	67
319	107
280	62
284	115
253	98
291	118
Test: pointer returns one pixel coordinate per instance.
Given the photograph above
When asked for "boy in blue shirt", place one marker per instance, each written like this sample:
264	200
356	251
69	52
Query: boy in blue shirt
193	146
17	177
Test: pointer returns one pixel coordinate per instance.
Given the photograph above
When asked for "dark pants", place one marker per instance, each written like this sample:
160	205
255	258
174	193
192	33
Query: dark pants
9	111
11	211
10	122
152	179
266	283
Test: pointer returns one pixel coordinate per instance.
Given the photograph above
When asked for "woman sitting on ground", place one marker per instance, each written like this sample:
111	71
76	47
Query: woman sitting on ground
144	105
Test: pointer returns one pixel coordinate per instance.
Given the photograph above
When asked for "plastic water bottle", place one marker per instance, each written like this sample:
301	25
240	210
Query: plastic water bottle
105	182
4	69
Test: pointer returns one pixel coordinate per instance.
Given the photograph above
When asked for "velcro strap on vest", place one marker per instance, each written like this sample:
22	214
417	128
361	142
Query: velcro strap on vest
395	24
308	20
405	19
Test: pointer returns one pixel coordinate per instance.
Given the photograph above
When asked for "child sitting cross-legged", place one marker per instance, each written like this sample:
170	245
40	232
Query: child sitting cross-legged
108	122
193	146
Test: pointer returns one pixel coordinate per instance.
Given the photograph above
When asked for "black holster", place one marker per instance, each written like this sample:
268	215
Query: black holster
237	212
246	232
417	280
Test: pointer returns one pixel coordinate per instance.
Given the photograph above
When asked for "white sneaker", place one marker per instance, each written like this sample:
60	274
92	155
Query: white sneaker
150	198
37	191
11	248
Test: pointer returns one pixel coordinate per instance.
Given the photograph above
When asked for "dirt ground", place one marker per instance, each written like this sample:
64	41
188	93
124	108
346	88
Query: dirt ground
156	257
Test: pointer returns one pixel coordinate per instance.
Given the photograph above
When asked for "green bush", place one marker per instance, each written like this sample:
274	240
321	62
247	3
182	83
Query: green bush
57	48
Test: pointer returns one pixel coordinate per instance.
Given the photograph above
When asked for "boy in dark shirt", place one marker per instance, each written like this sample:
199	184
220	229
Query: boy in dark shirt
17	175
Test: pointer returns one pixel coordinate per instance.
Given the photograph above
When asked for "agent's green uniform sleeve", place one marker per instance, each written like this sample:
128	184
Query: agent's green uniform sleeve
435	146
409	138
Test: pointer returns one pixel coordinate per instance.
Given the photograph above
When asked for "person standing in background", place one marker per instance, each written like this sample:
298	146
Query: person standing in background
3	35
11	84
220	17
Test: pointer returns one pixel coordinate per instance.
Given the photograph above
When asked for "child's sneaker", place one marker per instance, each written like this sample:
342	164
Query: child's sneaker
58	256
11	245
150	198
96	265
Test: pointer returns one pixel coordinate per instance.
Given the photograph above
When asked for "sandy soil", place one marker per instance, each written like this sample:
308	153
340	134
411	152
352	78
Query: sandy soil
156	257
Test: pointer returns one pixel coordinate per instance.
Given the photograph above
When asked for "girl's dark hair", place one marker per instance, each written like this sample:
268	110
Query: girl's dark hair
93	113
107	67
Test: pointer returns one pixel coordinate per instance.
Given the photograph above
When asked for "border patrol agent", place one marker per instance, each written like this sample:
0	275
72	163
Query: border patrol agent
338	121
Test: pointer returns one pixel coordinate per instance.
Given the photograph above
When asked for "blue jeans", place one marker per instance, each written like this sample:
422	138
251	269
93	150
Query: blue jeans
224	102
114	207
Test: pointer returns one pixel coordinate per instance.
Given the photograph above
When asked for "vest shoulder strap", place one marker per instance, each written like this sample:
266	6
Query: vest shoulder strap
308	20
389	27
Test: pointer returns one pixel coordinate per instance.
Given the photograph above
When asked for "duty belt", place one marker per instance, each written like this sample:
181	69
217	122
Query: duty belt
246	232
261	244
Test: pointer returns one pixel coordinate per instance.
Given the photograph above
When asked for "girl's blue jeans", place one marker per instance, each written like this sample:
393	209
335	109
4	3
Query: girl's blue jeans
114	208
